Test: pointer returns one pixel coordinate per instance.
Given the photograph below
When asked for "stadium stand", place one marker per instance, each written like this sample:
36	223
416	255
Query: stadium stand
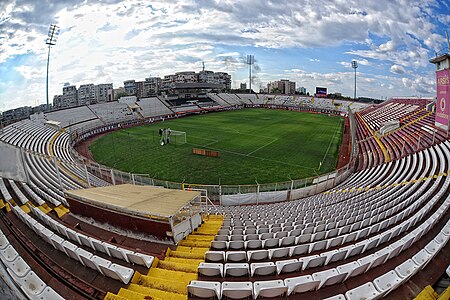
384	226
152	107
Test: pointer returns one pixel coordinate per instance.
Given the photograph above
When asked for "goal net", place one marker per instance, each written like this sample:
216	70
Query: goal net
178	137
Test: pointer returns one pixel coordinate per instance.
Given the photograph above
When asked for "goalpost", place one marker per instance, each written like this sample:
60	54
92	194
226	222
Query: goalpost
178	137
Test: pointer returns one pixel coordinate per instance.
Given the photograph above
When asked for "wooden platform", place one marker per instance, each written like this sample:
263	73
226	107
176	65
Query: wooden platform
137	208
136	199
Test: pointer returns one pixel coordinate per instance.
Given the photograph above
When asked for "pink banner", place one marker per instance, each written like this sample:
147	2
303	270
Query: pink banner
443	98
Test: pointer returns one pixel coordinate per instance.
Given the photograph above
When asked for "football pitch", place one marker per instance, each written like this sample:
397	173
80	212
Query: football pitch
255	145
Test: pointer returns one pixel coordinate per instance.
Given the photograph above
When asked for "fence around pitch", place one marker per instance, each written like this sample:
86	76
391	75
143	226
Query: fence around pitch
224	194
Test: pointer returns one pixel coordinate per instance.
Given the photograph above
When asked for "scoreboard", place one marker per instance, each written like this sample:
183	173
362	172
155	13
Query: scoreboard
321	92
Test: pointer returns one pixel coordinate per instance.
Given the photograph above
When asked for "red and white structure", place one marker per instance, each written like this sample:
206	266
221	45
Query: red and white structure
442	63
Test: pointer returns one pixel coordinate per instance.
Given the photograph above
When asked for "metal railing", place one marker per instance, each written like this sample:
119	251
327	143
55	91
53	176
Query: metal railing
215	192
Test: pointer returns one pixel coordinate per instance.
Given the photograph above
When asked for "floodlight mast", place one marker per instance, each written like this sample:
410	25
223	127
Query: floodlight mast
250	62
51	41
354	66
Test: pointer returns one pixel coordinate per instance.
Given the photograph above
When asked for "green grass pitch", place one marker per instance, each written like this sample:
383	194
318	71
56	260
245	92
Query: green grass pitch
256	145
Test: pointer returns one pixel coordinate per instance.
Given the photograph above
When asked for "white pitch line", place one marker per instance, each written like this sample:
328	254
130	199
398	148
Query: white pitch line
274	140
331	140
212	143
260	158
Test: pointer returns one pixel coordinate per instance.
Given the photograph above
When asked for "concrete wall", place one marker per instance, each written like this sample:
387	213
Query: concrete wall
11	163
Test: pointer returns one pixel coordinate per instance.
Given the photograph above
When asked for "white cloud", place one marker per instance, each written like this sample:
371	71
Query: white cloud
396	69
111	41
228	54
377	86
422	85
387	47
360	61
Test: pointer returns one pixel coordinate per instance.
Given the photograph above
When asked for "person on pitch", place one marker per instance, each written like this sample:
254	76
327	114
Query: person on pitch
162	140
168	135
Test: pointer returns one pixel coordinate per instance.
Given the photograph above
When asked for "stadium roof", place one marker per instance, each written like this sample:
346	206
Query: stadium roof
198	85
54	123
440	58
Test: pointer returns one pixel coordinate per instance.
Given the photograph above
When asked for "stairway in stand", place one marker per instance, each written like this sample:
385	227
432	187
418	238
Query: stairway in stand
167	279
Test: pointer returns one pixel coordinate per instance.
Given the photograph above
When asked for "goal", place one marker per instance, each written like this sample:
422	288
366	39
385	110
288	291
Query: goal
178	137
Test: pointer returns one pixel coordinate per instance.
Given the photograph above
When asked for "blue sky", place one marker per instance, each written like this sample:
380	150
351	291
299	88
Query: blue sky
311	42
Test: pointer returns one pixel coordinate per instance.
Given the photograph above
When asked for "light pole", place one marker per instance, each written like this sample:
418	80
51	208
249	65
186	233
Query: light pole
51	41
354	66
250	62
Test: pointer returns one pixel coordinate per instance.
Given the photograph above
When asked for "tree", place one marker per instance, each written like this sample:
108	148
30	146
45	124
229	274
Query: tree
120	94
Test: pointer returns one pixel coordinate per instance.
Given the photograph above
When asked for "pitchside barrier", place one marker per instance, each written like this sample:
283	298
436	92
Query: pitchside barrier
223	194
230	194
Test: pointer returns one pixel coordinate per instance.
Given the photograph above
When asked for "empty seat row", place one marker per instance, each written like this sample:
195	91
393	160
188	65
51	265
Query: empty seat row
217	257
95	244
104	266
30	283
380	286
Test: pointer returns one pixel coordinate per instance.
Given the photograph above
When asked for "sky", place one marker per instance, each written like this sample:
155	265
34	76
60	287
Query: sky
311	42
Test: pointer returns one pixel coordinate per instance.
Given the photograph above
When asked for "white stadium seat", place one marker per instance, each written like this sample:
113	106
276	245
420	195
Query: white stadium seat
387	282
47	294
366	291
262	268
236	269
210	269
329	277
215	256
288	266
117	272
30	284
204	289
237	290
269	289
19	267
301	284
9	254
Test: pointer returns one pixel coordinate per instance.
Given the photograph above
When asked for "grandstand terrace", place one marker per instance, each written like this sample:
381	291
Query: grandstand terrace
380	229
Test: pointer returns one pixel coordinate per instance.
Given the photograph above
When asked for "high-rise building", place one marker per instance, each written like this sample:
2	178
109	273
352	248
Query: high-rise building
301	90
130	87
204	76
86	94
16	114
139	86
152	86
222	78
93	94
168	80
57	101
104	92
186	77
69	96
282	86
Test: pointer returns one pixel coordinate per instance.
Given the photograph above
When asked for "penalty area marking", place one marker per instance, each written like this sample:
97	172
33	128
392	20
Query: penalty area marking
257	157
273	141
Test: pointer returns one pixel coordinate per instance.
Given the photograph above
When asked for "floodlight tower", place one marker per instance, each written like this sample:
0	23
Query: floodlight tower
250	62
355	66
51	41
